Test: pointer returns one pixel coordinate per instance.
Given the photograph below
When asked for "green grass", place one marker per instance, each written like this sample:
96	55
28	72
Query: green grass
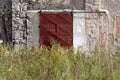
56	63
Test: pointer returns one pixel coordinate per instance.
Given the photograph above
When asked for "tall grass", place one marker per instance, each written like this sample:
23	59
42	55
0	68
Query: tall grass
56	63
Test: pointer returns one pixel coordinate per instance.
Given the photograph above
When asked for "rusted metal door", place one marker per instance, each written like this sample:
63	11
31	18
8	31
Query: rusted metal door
58	26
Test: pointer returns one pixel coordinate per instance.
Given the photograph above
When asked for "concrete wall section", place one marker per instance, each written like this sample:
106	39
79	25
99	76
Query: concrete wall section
92	30
56	4
79	37
33	29
100	28
89	30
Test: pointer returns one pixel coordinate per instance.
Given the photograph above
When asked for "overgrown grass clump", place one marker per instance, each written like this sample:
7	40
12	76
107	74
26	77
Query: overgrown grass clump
56	63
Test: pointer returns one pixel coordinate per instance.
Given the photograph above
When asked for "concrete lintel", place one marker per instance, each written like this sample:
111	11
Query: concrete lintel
66	10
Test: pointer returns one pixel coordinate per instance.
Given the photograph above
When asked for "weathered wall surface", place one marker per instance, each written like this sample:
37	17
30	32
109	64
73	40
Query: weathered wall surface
96	27
101	29
5	20
19	31
104	32
23	34
55	4
113	9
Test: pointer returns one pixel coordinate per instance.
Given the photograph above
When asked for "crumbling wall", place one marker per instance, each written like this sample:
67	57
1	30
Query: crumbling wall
33	37
92	30
5	20
21	33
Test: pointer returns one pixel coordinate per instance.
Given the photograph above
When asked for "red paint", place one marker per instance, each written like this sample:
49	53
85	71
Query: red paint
58	26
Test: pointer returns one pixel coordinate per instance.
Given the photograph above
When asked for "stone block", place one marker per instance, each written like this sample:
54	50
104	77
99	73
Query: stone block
22	14
114	2
16	7
114	11
23	6
92	8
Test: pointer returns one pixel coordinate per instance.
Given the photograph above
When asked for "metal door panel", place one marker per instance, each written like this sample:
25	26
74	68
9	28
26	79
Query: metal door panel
58	26
64	18
65	30
48	18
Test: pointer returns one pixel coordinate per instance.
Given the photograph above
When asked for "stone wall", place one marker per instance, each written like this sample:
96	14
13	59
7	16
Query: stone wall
19	30
33	36
113	11
55	4
22	17
5	20
104	32
100	27
96	25
92	5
